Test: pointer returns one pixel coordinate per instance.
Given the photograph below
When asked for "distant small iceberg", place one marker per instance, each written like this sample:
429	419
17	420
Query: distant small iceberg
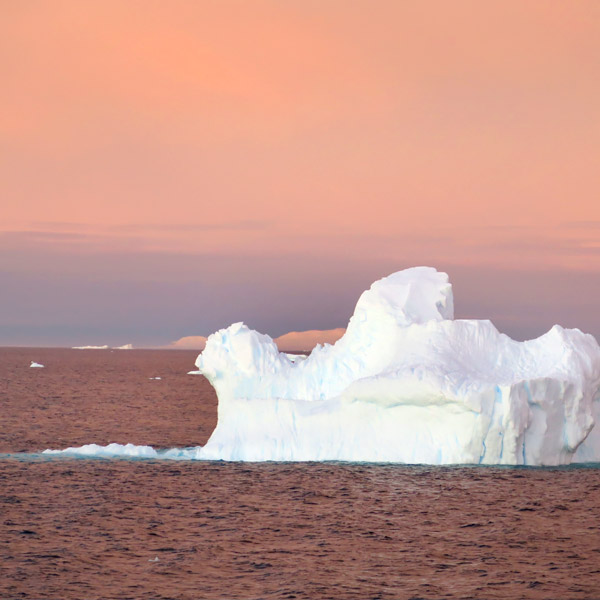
124	347
90	347
35	365
154	377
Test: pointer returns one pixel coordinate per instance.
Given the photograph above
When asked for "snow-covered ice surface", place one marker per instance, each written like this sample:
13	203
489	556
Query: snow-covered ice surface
406	383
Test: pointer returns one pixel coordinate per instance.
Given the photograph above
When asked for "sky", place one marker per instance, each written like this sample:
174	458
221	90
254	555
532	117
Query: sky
168	168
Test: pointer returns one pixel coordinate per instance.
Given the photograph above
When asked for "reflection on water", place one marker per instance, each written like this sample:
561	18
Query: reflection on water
74	528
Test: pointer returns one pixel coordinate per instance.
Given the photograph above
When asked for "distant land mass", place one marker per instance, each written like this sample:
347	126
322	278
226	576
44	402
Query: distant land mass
294	341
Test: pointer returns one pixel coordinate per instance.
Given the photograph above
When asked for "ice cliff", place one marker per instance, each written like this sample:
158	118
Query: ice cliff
407	383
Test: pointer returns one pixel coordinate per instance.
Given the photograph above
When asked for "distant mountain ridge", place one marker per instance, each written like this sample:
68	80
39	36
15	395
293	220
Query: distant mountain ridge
294	341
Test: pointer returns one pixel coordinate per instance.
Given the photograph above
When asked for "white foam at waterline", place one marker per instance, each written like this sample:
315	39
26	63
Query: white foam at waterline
127	451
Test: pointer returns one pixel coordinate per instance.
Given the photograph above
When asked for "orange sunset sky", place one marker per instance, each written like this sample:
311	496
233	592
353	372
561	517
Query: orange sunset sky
167	168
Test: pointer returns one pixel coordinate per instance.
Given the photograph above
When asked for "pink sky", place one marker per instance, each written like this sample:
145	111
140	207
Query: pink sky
261	136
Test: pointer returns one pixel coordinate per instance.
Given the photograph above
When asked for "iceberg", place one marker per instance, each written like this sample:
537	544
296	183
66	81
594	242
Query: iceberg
407	383
90	348
35	365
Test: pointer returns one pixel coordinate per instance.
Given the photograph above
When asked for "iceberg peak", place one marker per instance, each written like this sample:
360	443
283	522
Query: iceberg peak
415	295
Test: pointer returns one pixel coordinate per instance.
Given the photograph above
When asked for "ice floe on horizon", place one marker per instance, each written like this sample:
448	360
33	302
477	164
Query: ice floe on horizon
105	347
90	347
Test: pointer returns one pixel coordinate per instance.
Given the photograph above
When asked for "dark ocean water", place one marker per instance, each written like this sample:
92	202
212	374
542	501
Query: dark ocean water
119	529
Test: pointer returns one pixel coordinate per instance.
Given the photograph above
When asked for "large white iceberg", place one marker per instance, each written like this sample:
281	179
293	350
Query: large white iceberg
407	383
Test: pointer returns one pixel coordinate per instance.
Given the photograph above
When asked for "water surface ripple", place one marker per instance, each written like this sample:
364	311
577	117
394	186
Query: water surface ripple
152	529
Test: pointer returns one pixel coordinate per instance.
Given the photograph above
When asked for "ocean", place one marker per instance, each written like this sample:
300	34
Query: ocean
73	528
